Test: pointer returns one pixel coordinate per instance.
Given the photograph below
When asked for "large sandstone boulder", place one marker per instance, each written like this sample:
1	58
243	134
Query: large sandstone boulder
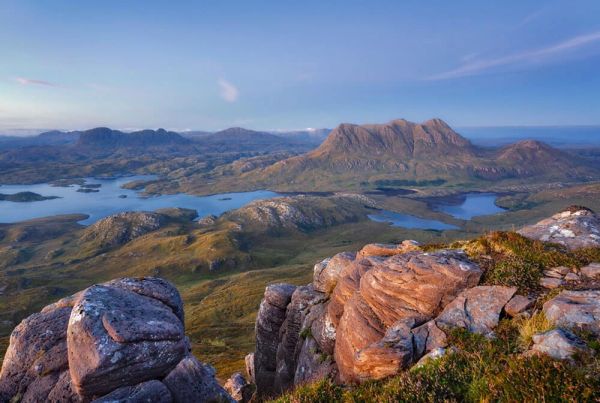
575	309
117	337
118	341
378	319
395	295
575	227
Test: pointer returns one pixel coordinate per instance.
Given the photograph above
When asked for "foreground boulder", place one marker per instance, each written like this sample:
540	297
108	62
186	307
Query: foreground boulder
575	227
119	341
397	294
557	343
366	315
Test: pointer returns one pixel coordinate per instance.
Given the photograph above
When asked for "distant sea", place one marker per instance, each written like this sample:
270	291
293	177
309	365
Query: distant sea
557	136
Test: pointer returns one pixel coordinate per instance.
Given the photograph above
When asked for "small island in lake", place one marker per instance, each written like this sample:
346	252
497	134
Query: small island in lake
91	185
25	197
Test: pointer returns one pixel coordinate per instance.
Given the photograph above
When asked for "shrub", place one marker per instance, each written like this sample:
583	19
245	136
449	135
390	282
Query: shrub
528	327
515	271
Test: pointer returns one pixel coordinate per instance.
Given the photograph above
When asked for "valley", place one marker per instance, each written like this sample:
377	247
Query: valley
221	250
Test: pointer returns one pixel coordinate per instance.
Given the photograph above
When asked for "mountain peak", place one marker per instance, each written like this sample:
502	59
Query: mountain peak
105	137
399	138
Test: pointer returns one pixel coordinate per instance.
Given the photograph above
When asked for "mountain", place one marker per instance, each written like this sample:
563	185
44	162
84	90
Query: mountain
405	151
54	137
240	139
104	137
530	157
398	138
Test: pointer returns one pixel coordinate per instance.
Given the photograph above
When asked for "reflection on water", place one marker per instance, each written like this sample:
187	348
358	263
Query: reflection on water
111	199
473	205
465	207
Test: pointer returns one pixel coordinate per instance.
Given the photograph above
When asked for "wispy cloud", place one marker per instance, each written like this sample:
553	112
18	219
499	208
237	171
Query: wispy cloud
229	92
475	67
31	81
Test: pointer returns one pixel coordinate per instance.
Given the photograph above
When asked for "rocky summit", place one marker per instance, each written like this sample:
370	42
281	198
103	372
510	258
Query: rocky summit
121	341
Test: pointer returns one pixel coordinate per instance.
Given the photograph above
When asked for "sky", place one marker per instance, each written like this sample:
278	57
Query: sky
284	65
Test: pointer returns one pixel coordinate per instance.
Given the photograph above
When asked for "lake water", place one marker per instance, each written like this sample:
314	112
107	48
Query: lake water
109	200
474	205
410	221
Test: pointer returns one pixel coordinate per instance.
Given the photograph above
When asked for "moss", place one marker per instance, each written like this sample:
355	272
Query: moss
306	332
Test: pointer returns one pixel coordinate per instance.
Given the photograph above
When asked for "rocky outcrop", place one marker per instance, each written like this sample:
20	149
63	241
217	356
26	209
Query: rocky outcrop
288	349
375	313
119	341
270	318
301	212
575	310
395	295
121	228
575	227
366	316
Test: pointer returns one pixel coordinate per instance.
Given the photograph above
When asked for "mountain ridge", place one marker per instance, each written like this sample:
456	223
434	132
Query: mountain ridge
406	150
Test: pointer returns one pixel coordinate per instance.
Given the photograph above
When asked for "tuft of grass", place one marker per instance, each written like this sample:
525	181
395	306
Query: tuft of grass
528	327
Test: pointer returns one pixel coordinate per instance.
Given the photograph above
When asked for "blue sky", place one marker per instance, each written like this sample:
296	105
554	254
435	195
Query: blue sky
295	64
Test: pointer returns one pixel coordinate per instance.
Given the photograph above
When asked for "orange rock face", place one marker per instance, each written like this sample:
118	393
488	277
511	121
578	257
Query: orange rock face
387	295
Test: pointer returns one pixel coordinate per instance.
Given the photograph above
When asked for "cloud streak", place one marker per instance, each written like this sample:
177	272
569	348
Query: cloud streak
228	91
31	81
476	67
